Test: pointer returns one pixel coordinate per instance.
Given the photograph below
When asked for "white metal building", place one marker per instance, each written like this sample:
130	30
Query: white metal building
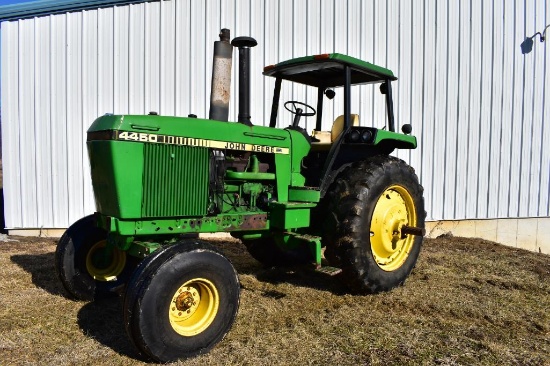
478	105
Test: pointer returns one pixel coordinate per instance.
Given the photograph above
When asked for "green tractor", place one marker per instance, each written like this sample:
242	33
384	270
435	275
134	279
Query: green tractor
289	196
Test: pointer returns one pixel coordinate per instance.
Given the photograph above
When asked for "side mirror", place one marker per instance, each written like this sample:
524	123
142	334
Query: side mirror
383	88
330	93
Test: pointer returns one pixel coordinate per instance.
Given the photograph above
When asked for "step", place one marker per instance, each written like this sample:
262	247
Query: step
331	271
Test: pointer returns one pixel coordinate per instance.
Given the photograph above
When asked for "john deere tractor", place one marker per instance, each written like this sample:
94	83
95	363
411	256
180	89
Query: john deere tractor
332	200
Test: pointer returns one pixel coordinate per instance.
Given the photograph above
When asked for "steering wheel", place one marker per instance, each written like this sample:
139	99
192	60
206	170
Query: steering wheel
294	107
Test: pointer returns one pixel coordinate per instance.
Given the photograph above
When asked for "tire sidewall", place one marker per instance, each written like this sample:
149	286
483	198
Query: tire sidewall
393	176
71	253
351	201
153	333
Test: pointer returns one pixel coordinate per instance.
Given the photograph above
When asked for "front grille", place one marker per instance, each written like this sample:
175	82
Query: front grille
175	180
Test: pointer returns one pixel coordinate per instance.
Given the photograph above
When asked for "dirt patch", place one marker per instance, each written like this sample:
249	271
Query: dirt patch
467	302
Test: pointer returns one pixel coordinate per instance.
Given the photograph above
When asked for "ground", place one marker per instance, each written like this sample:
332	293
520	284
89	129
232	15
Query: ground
467	302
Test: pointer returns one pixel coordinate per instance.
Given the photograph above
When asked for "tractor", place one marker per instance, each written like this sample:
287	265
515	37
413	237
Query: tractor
335	201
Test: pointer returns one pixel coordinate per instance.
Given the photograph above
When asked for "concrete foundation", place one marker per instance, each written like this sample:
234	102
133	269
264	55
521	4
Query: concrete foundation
527	234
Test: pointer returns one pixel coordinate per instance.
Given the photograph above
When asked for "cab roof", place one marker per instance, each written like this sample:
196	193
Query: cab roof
327	70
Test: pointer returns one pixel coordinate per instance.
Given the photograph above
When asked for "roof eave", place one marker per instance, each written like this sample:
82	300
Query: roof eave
39	8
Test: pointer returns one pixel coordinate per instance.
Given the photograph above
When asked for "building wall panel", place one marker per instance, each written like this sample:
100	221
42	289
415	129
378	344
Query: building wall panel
474	120
476	103
11	156
537	118
136	61
44	87
465	151
76	158
27	133
496	107
544	181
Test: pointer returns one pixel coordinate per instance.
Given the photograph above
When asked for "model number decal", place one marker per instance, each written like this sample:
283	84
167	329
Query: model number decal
135	136
189	141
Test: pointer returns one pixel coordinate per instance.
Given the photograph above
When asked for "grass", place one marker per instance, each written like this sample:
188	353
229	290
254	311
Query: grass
468	302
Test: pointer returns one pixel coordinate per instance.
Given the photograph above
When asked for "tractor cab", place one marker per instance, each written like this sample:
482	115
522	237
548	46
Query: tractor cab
325	72
348	139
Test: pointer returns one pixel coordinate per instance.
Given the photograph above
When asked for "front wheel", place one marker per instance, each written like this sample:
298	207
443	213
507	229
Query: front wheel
374	229
181	301
87	268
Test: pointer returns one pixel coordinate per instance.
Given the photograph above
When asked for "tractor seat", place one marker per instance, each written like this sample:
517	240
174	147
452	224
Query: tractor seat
326	138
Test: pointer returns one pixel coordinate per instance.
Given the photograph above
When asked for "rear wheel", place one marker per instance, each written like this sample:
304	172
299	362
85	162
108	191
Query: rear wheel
375	206
181	301
87	268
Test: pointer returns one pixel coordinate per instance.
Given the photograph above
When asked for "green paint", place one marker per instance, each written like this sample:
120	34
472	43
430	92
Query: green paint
157	177
117	170
398	140
304	194
165	168
379	71
249	175
290	215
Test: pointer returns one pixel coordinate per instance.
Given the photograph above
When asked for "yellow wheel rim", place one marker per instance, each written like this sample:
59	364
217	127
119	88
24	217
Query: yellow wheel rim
394	209
193	307
105	271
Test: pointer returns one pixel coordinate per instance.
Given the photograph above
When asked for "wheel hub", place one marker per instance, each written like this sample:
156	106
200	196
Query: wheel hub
193	307
103	264
186	299
393	211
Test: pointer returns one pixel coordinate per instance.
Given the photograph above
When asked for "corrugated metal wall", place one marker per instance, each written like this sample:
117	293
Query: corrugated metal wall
477	104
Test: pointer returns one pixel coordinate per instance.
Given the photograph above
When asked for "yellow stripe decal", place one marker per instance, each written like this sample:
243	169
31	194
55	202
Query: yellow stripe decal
189	141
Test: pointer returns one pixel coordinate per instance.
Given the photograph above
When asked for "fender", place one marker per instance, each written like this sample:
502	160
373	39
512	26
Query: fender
344	152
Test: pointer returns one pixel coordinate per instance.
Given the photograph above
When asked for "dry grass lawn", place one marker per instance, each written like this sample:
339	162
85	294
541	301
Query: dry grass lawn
468	302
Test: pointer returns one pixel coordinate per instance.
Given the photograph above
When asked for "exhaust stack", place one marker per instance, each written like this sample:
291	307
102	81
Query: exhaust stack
221	77
244	44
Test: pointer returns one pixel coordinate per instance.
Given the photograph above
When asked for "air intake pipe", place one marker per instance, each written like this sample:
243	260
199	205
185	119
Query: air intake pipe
221	77
244	44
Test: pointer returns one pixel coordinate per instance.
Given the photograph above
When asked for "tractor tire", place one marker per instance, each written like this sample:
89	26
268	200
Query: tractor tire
181	301
369	203
267	252
76	252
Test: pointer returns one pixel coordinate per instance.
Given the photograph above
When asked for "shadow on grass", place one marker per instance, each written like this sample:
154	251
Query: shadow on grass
103	321
41	268
301	276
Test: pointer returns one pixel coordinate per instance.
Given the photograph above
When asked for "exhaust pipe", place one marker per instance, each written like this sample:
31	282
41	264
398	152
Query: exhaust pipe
221	78
244	44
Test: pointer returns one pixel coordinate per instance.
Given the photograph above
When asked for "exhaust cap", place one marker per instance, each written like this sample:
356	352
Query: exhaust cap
244	42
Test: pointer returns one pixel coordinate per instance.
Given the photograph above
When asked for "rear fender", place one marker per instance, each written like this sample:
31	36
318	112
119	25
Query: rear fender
344	153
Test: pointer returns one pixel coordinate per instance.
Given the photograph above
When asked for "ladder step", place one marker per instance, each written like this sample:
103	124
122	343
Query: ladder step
331	271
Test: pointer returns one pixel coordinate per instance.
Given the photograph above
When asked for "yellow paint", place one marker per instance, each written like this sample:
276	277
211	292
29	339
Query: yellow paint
193	307
112	270
394	209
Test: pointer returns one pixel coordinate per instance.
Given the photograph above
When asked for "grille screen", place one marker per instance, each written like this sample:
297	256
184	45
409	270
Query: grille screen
175	181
